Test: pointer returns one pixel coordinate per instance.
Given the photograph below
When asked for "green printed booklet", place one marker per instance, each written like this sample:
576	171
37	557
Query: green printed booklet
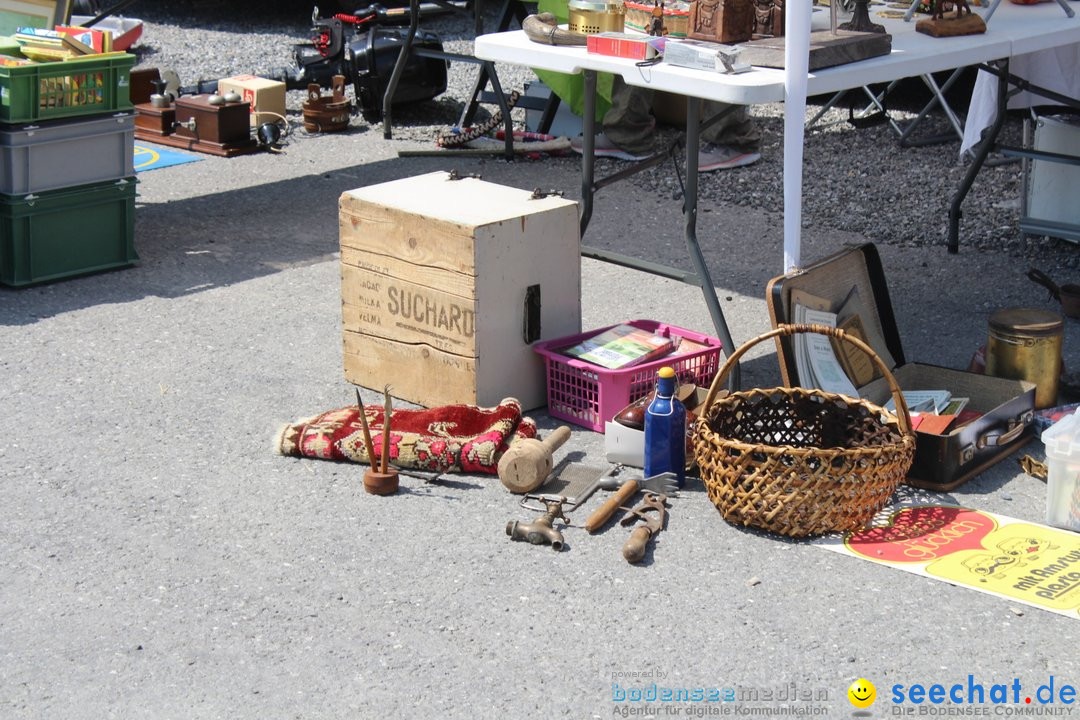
622	346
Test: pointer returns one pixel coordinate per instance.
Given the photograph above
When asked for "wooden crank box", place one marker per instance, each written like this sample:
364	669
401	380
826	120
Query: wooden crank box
447	282
853	281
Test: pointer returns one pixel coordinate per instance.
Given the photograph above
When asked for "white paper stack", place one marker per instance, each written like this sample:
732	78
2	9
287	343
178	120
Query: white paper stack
714	57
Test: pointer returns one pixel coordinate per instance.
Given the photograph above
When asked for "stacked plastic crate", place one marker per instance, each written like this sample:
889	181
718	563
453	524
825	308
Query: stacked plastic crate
67	185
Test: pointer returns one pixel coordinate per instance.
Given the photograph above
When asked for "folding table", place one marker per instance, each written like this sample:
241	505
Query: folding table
1016	29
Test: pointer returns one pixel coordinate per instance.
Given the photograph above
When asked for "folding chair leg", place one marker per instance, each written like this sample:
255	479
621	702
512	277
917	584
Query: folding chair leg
904	133
826	108
548	116
878	101
469	111
937	99
940	93
510	10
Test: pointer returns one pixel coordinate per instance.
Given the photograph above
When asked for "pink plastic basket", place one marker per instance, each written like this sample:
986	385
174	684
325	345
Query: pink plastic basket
589	395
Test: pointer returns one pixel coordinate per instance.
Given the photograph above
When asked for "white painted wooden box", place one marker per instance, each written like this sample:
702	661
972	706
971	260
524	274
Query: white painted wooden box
446	283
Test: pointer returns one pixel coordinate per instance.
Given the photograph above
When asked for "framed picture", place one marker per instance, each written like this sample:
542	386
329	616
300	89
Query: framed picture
46	14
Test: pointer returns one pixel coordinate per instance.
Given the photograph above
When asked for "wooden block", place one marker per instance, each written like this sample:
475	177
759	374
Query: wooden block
218	129
153	122
722	21
142	84
970	24
768	19
215	124
826	49
434	278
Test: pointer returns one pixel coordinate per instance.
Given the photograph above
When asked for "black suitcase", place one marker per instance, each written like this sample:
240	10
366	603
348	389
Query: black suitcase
373	55
367	59
942	462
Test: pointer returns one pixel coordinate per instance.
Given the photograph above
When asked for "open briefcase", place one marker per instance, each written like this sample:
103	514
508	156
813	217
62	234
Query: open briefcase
852	283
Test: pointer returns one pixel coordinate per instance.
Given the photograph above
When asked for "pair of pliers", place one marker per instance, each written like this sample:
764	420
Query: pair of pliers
653	513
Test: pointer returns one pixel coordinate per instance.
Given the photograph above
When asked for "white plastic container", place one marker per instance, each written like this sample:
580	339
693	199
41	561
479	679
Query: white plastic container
1062	440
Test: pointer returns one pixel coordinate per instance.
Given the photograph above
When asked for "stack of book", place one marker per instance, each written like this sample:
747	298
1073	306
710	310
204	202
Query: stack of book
625	346
51	45
934	411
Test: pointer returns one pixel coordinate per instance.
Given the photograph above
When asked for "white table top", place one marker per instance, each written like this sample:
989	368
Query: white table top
1013	30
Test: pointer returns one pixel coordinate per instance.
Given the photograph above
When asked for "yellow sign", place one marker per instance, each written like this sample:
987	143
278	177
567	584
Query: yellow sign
1033	564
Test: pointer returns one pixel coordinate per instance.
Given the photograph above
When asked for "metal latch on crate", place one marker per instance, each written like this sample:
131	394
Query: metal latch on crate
530	322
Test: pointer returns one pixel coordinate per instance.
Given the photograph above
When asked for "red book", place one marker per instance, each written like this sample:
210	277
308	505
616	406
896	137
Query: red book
90	37
624	45
934	424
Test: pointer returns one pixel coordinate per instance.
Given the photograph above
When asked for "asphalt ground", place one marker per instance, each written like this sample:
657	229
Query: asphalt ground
163	562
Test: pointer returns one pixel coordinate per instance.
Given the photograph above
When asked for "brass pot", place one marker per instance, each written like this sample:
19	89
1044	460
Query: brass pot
596	16
1025	344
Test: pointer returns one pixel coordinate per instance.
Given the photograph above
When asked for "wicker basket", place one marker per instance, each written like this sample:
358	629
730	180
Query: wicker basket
801	462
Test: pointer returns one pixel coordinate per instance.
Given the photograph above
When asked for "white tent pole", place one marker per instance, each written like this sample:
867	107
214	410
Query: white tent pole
796	60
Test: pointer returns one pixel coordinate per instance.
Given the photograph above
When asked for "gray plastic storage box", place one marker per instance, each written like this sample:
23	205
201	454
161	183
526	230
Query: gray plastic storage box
36	157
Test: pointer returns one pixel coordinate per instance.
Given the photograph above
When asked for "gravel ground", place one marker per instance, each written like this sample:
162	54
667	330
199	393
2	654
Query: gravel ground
856	180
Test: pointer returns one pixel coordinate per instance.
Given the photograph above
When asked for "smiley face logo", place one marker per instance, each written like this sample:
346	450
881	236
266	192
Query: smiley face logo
862	693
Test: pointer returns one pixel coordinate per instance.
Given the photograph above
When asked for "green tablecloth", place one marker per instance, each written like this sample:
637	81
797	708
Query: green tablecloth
571	88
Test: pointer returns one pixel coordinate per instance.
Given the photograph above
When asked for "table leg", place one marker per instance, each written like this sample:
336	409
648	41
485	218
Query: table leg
983	151
399	66
1065	6
693	142
588	188
588	143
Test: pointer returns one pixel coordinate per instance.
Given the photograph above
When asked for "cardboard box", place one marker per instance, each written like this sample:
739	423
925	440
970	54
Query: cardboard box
266	97
626	445
709	56
446	284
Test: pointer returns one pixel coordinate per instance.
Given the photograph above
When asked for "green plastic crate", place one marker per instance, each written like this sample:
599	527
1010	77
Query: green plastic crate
61	233
87	86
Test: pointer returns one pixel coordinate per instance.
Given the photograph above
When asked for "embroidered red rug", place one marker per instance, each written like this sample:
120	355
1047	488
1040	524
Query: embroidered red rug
452	438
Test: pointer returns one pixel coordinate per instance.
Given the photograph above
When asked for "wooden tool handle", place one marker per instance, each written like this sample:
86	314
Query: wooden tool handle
556	438
634	549
603	513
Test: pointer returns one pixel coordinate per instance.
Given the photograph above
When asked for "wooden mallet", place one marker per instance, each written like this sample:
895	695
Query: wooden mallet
527	463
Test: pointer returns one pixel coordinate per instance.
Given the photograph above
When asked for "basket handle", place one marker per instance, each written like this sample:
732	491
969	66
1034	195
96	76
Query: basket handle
902	413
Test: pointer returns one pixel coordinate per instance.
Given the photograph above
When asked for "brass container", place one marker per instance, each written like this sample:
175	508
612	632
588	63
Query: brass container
1025	344
596	16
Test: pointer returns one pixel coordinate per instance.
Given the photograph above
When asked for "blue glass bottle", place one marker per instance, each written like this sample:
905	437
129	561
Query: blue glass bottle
665	429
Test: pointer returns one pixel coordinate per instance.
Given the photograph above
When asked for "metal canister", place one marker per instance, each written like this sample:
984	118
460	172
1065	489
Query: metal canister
596	16
1025	344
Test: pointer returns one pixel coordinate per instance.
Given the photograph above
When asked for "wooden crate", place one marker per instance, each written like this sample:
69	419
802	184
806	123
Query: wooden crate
436	275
